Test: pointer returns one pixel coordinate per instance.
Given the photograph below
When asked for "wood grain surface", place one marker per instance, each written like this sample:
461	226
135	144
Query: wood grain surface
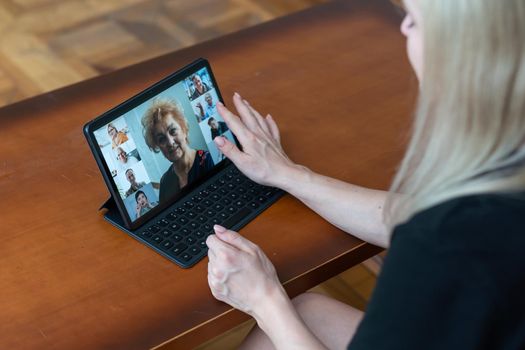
48	44
336	80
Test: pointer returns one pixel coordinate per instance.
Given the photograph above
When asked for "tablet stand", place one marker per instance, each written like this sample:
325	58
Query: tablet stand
112	214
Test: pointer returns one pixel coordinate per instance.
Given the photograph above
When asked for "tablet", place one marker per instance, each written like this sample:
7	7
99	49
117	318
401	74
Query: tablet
144	144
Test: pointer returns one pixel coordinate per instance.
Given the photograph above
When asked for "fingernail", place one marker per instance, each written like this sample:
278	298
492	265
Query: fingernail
237	94
219	141
220	103
219	229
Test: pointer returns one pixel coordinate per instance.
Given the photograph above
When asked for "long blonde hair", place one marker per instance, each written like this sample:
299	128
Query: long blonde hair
469	130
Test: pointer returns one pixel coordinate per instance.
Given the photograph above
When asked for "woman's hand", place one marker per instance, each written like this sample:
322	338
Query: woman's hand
262	159
240	274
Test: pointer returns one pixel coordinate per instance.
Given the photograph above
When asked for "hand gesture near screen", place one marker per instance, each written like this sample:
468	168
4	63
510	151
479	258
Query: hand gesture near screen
262	159
138	209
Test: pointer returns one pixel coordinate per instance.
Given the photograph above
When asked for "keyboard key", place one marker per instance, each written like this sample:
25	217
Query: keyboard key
145	233
199	208
190	240
254	191
193	225
179	248
184	231
180	210
254	205
203	244
239	203
196	198
183	220
231	209
191	214
188	205
154	229
207	202
241	214
268	192
204	193
167	244
175	226
223	191
199	234
226	201
176	237
246	197
233	195
212	187
195	250
163	222
172	217
166	233
157	239
201	219
261	199
218	207
215	197
210	213
216	221
208	229
185	257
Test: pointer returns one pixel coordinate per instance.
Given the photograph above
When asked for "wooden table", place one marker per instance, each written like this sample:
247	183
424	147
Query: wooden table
335	78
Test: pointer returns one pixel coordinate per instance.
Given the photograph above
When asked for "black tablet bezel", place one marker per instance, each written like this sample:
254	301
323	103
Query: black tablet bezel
127	106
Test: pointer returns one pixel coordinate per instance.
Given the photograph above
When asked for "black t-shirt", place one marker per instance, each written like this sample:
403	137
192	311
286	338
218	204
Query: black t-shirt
454	278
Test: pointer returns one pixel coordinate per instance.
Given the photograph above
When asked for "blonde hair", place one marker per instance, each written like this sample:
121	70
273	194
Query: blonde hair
469	131
160	109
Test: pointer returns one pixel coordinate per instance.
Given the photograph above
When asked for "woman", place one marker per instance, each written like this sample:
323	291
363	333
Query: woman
166	130
454	219
117	137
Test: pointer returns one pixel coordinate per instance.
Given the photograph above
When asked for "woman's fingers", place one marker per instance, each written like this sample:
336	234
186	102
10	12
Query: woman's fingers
260	120
245	114
274	129
230	150
235	124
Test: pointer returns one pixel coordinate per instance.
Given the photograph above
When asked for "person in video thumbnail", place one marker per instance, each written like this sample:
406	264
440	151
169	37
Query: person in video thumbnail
209	110
200	87
166	130
134	185
125	160
217	128
117	137
143	204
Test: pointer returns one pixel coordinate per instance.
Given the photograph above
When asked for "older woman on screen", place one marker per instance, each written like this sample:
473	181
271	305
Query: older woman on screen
166	130
453	220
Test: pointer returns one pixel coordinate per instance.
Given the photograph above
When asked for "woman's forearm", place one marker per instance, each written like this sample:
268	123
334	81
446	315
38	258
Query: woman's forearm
353	209
282	324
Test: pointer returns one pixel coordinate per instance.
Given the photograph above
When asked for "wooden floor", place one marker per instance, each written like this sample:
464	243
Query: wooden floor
47	44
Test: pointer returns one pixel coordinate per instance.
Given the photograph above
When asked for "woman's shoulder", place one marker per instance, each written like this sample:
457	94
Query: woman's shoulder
470	222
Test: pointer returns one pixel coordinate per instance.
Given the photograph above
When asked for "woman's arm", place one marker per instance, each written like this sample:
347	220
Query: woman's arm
354	209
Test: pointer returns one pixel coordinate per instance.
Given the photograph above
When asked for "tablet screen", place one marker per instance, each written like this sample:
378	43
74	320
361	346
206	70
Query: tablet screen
157	148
